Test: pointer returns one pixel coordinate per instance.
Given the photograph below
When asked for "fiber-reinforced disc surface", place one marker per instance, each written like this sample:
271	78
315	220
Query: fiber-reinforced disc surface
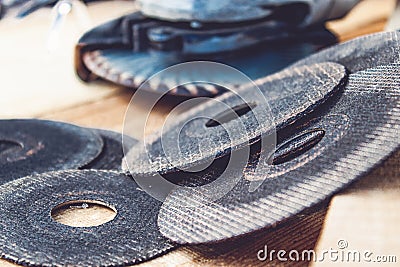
34	146
29	235
193	139
352	133
361	53
112	153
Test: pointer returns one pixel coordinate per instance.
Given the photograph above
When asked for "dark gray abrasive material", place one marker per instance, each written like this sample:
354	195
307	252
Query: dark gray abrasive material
351	134
29	146
361	53
112	153
289	96
30	236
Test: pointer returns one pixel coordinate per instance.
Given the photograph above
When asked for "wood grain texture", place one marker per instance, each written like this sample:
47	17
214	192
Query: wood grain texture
367	17
35	80
366	215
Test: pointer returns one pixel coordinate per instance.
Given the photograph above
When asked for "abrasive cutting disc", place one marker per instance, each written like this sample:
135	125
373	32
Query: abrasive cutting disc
361	53
112	153
107	52
36	239
289	95
34	146
339	142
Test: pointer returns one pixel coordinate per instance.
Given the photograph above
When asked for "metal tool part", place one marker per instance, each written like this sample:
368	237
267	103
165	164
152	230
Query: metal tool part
304	12
289	96
33	5
23	8
35	146
112	153
129	50
62	9
131	237
317	155
7	5
2	11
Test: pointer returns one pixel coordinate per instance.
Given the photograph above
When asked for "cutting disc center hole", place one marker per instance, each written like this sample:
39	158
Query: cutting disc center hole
8	146
83	213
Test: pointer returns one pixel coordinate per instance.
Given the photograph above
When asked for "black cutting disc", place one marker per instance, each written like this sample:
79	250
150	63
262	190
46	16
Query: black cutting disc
112	153
38	240
34	146
340	141
288	96
361	53
108	52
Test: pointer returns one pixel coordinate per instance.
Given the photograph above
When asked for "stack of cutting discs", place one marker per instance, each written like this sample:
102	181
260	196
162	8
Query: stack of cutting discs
335	116
347	123
36	146
47	152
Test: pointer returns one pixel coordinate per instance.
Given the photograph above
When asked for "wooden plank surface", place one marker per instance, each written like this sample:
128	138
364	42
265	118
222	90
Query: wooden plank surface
35	80
38	84
366	216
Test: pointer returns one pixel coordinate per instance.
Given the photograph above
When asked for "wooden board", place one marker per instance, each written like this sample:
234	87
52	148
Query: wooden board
35	80
366	216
